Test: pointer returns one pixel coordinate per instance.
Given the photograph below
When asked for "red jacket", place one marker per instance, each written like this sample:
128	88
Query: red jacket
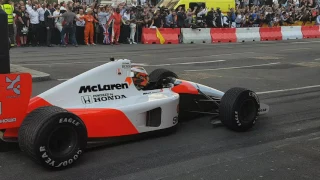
117	19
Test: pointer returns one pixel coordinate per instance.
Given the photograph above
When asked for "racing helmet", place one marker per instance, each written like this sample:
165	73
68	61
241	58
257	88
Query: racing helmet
140	77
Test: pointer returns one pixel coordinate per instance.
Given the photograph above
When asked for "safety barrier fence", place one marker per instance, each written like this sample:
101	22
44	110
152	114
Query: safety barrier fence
227	35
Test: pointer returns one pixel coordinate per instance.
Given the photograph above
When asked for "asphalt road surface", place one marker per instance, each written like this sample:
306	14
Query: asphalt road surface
285	144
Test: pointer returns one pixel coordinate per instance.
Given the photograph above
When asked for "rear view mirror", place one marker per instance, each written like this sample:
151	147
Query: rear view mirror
131	74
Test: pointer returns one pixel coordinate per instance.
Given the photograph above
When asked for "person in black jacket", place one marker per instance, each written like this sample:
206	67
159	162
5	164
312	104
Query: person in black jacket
49	23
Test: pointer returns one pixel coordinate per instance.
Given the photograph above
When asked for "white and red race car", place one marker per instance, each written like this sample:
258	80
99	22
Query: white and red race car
102	104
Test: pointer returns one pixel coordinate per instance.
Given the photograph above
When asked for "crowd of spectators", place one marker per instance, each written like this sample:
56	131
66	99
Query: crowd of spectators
40	23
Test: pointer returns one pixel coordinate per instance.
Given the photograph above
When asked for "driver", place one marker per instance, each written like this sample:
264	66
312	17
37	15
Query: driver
140	78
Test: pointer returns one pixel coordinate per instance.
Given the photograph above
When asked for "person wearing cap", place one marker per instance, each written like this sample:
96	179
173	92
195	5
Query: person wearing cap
88	30
8	8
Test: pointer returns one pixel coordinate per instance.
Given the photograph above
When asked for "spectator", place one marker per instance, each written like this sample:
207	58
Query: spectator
125	28
67	27
171	19
318	20
9	9
181	17
23	25
117	19
42	25
80	28
34	23
103	17
49	24
57	24
157	20
89	27
133	27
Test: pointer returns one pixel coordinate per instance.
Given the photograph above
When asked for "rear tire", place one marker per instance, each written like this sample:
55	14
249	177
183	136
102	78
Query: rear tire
53	137
239	109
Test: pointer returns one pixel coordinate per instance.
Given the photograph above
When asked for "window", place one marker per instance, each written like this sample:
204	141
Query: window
193	5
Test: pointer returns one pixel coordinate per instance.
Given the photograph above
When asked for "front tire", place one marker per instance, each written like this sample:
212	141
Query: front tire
239	109
53	137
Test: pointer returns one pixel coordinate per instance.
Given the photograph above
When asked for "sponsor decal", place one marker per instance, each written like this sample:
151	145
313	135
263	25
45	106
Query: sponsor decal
175	120
101	98
69	120
99	87
152	92
236	116
86	99
14	86
53	163
119	72
263	110
8	120
126	65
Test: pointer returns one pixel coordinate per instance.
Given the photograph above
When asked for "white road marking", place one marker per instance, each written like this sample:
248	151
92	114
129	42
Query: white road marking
291	89
295	49
300	43
215	55
315	41
62	79
239	67
185	63
317	59
312	139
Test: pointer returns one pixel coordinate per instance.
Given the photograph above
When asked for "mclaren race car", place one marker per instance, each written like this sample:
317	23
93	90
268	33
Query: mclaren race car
111	101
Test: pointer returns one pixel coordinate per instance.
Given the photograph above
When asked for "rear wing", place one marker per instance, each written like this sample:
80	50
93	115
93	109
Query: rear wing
15	93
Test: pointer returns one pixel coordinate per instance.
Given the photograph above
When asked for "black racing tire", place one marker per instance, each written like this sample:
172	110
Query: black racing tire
239	109
53	137
159	74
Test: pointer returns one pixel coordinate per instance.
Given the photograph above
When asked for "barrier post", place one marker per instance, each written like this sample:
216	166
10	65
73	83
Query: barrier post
4	44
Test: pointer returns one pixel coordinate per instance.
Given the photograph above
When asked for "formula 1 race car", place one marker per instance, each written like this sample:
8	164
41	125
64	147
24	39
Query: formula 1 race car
113	100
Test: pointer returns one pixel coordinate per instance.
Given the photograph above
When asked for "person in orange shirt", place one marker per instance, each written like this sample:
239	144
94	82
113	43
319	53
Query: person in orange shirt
88	30
117	19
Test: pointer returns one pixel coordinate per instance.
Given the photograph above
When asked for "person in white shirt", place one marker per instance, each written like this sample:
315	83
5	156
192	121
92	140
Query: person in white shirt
34	23
42	27
58	20
57	25
80	28
125	34
103	16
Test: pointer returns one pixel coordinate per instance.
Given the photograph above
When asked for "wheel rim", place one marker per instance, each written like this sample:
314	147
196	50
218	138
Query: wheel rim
248	111
62	141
